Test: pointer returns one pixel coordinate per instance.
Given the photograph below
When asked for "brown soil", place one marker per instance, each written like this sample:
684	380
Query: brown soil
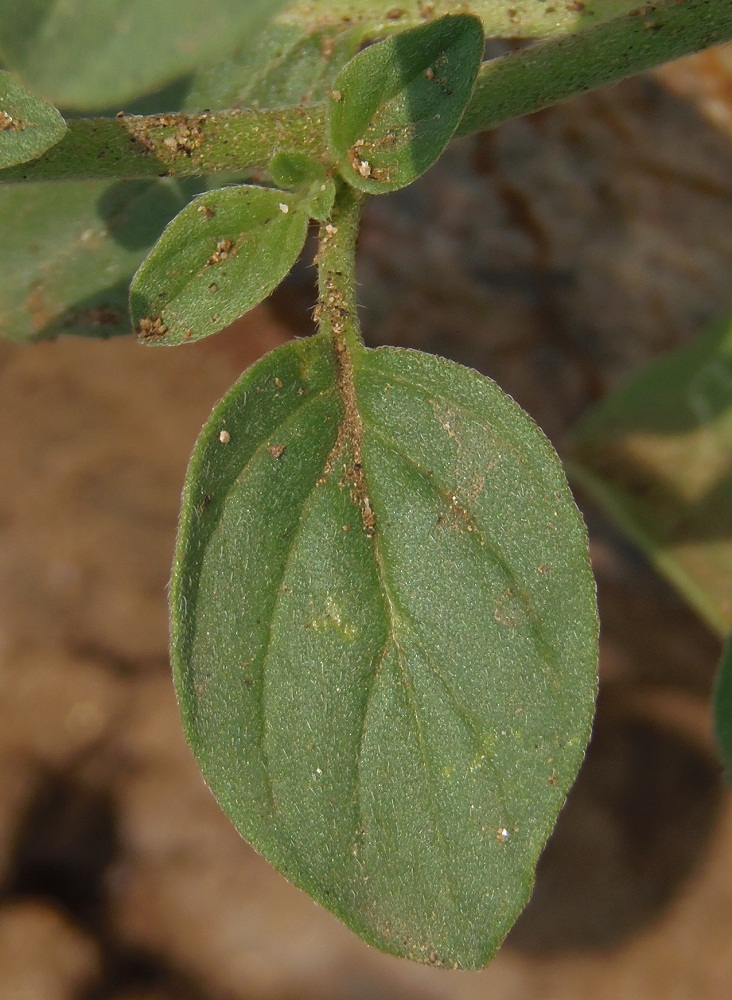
555	254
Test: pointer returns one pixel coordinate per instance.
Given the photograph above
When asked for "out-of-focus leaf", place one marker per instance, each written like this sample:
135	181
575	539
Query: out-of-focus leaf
28	125
92	55
75	248
219	257
658	455
395	106
287	65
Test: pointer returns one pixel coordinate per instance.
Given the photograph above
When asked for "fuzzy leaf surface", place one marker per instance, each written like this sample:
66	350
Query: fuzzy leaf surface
75	248
28	125
395	106
82	55
656	454
385	639
224	253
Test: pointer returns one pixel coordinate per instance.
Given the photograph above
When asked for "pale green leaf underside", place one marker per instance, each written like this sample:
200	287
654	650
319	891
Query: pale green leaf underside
83	55
225	252
392	719
723	710
657	455
28	126
75	248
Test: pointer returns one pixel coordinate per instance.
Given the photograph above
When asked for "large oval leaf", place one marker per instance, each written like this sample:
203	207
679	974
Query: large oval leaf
384	639
218	258
28	126
396	105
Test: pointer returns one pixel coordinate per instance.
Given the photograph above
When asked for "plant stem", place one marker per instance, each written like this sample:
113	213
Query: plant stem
561	67
337	303
132	147
338	319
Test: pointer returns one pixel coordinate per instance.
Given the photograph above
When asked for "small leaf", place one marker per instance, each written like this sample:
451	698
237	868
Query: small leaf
308	179
219	257
395	106
656	455
28	126
75	247
83	55
385	639
723	710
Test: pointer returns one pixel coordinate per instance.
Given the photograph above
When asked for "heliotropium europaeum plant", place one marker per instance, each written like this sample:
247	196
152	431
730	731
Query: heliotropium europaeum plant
384	630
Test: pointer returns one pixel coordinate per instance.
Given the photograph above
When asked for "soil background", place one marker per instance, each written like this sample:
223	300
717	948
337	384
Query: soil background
556	254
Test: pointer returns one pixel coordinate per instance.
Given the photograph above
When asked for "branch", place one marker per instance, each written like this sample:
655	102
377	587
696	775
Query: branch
551	71
178	145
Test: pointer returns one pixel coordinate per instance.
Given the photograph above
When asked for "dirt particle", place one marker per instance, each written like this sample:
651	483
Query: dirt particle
429	73
359	164
151	328
213	287
394	14
207	211
10	124
276	450
187	137
336	95
283	207
224	437
502	835
224	250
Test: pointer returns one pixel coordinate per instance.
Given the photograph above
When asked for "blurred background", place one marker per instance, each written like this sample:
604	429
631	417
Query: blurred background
557	254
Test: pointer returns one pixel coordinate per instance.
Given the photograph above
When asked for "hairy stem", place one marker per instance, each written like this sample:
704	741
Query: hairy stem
338	319
337	305
549	71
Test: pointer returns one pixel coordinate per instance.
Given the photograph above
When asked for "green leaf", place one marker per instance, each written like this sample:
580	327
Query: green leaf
219	257
656	454
75	247
395	106
723	710
83	55
308	179
384	639
28	126
286	66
